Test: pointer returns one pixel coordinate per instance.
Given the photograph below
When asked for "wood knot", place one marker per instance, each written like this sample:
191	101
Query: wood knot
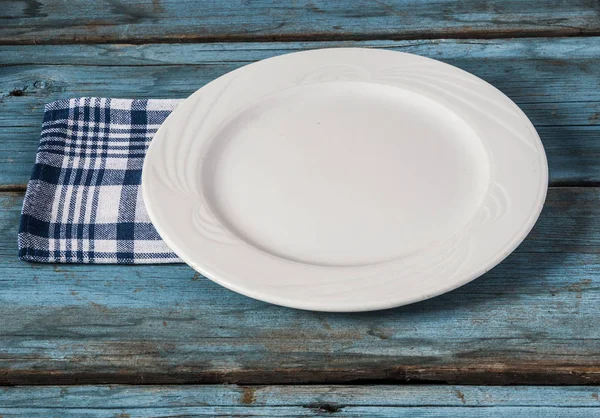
461	396
248	395
329	408
17	92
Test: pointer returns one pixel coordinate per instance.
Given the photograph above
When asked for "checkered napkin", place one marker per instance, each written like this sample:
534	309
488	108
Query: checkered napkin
83	202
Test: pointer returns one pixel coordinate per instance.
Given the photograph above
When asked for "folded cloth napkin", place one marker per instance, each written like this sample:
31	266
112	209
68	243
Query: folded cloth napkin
83	203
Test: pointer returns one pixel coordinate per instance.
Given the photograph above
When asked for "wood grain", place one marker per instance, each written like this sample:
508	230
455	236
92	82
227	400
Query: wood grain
555	81
46	21
533	319
296	401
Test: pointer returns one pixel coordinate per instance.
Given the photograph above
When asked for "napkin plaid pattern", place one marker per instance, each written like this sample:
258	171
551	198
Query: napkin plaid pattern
83	203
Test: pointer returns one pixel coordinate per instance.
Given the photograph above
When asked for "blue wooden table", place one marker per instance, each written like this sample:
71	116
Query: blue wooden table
163	340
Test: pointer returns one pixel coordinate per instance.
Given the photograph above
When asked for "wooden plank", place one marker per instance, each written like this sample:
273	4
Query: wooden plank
46	21
533	319
279	401
555	81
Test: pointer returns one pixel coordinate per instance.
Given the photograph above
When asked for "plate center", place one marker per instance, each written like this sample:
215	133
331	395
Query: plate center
346	174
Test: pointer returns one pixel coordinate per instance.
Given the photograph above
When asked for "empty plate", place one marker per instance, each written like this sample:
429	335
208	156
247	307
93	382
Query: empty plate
345	179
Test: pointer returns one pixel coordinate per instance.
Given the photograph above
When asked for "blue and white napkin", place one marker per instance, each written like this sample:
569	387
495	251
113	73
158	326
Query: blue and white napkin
83	203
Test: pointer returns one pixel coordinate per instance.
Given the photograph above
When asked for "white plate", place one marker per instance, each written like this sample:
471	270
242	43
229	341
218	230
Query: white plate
345	179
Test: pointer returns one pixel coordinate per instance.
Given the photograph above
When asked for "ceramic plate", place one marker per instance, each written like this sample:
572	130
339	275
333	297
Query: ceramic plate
345	179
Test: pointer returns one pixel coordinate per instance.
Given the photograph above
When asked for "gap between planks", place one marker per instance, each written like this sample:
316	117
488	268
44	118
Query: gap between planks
319	37
516	375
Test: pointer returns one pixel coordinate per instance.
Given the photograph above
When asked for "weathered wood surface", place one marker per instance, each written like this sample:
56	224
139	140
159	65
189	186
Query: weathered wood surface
44	21
533	319
294	401
555	81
